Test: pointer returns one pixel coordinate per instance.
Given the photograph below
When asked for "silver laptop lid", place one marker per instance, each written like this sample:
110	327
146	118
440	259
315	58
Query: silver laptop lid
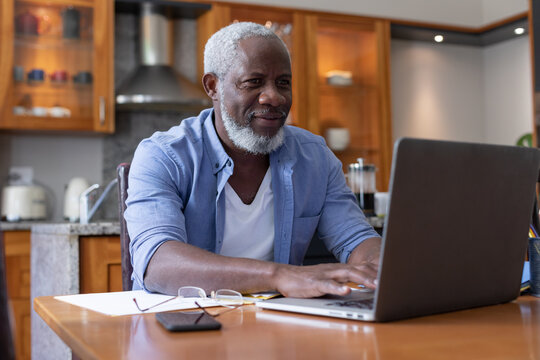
456	229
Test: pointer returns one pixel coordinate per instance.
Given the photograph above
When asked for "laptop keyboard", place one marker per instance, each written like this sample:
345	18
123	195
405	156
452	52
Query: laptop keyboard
359	304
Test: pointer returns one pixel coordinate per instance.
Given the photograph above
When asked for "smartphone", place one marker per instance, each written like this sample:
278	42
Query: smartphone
181	321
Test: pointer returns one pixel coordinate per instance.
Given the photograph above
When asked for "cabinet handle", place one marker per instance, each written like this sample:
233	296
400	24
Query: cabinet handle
101	111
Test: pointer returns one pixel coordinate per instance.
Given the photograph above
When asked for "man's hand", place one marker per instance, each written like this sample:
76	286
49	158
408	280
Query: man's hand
318	280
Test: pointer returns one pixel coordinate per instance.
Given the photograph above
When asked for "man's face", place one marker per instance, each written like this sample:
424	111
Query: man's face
256	96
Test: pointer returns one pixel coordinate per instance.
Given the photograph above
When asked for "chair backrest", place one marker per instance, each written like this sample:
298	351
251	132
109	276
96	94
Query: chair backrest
7	348
127	268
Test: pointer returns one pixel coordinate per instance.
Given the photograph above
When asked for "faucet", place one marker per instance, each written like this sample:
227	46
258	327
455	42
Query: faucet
85	213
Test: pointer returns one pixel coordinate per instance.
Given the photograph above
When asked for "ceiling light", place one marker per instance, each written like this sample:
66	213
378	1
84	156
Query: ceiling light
519	31
438	38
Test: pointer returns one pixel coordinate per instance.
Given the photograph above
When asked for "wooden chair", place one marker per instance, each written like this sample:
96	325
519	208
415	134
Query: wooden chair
127	268
7	349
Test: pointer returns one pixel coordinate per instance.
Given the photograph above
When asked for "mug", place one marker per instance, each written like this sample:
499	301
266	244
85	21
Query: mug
337	138
37	75
30	24
19	110
59	76
58	111
18	73
39	111
71	23
83	77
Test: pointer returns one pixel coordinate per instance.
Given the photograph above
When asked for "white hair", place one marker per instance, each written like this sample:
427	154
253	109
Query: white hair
222	48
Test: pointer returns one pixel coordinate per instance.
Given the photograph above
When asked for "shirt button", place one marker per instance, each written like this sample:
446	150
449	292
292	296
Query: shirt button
217	165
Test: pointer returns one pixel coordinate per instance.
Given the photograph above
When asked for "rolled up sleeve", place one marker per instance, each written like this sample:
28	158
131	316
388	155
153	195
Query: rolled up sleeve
342	225
154	211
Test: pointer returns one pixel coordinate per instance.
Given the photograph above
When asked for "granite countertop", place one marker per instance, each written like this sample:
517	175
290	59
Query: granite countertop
19	225
98	228
64	228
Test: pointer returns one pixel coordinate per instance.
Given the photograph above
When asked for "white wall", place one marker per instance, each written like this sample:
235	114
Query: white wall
57	158
467	93
437	91
468	13
507	91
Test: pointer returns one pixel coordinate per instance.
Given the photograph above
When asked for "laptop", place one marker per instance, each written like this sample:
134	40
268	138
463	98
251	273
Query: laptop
455	235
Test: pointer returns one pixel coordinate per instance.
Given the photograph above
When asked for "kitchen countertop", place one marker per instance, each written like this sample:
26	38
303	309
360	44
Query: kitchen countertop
63	228
97	228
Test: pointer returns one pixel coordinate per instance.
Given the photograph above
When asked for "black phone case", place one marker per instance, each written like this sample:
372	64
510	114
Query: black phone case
179	321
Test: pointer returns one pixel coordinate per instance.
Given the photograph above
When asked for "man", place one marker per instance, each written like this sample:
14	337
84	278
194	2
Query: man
232	198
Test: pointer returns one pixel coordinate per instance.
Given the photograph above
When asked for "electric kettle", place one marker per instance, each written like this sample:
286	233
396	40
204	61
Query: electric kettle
75	188
24	202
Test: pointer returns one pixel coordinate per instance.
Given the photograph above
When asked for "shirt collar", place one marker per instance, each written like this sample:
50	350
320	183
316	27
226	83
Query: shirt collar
213	146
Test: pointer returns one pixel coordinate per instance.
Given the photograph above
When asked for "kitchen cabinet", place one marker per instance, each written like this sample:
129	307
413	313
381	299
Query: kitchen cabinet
322	45
349	86
17	250
56	65
101	264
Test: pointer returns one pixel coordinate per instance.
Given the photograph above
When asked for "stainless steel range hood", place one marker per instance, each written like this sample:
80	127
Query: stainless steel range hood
155	85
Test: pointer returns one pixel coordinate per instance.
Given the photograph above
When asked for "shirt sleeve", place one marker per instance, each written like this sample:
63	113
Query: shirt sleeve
342	226
154	211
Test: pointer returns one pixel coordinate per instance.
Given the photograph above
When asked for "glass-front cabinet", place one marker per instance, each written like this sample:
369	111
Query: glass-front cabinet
56	70
349	88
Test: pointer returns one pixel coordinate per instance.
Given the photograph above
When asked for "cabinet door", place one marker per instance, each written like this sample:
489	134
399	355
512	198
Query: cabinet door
56	65
349	86
100	264
17	250
286	23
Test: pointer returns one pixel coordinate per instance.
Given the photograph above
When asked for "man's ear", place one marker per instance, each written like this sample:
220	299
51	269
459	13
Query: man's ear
210	84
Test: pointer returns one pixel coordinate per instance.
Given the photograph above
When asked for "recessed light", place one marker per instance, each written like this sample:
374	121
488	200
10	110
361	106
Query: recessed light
519	31
438	38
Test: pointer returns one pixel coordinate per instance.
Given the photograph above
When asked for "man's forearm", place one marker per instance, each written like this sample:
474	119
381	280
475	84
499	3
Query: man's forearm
176	264
367	251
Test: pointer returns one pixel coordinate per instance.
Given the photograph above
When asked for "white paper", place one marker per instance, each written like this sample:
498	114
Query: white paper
121	303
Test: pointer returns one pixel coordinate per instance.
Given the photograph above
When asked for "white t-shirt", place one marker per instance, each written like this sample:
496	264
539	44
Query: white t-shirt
249	229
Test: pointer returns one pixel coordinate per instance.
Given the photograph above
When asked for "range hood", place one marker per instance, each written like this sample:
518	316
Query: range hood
155	85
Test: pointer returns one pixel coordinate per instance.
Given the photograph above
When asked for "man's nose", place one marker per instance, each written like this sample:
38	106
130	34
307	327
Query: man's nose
271	95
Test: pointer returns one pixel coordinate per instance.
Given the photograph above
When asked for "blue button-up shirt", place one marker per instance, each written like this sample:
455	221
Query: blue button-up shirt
176	184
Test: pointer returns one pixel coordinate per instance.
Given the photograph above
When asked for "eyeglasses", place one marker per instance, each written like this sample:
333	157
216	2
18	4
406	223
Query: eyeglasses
224	297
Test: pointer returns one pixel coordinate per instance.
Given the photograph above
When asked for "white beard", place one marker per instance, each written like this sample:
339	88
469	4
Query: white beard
243	136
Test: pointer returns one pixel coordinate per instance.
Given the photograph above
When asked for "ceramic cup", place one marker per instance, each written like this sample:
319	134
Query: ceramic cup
59	76
36	75
39	111
27	23
18	73
58	111
337	138
83	77
19	110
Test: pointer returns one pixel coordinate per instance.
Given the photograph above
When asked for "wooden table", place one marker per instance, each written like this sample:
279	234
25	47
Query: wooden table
508	331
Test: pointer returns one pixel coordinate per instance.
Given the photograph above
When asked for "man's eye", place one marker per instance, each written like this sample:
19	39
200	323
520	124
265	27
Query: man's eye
253	81
284	83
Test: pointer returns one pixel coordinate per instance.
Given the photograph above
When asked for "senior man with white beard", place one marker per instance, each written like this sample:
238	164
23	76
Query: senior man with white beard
232	198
